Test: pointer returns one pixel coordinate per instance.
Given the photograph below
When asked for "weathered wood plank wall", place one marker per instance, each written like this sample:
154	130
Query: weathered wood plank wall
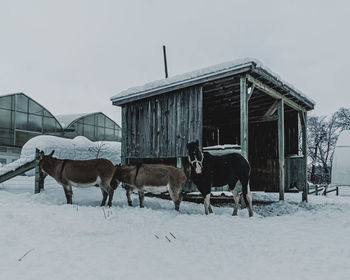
161	126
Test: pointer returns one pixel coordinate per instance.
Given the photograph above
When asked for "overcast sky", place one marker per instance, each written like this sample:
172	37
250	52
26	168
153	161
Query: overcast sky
72	56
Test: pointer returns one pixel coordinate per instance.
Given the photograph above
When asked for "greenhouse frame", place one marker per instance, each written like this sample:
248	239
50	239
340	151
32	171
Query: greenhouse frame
22	118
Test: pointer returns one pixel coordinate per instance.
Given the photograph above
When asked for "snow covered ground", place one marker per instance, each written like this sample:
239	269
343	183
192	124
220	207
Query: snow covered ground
284	240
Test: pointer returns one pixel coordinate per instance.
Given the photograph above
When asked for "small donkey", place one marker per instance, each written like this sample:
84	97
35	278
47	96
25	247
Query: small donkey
81	173
154	178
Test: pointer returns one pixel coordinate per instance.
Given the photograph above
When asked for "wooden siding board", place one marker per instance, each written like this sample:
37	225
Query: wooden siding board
154	129
182	124
178	124
172	125
124	135
160	127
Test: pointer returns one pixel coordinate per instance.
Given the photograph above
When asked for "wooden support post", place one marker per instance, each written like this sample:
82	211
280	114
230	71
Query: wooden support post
179	162
272	109
251	91
123	148
165	62
39	180
244	117
303	120
281	147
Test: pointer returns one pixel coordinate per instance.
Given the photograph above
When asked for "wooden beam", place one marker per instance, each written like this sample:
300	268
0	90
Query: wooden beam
251	91
303	120
244	117
281	147
263	119
18	171
179	162
272	109
274	93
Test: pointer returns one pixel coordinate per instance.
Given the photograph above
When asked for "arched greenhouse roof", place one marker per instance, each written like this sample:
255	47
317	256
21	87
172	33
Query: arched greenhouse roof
33	107
69	120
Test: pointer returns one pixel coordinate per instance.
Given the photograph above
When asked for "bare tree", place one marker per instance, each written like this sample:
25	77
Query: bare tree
343	118
96	150
327	145
323	133
315	137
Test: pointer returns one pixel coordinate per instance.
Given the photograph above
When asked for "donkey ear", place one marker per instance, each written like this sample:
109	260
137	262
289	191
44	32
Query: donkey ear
50	155
41	154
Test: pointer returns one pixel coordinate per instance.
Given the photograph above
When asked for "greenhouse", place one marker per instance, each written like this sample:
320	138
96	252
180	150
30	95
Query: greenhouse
22	118
94	126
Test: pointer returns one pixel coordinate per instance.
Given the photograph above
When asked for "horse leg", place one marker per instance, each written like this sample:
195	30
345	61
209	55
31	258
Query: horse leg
250	202
68	192
105	195
235	194
109	190
248	196
141	198
176	196
207	204
110	196
128	196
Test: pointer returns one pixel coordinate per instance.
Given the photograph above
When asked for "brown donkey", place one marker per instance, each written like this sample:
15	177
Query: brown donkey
154	178
81	173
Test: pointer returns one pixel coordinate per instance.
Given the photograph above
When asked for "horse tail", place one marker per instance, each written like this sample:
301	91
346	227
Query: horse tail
245	182
115	182
138	166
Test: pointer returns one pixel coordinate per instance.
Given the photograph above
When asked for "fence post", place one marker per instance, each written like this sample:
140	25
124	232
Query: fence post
39	177
337	191
37	172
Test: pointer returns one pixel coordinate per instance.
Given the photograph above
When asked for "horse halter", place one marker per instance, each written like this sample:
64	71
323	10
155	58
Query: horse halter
195	161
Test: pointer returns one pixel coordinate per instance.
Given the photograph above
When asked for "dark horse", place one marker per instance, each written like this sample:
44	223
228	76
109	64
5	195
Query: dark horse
208	171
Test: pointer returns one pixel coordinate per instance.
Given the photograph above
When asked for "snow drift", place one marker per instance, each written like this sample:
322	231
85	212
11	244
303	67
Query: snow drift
79	148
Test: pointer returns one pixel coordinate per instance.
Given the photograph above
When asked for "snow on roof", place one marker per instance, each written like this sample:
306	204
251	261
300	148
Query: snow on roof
66	120
171	81
201	74
341	160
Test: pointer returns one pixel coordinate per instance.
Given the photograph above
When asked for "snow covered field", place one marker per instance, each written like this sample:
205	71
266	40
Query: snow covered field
284	240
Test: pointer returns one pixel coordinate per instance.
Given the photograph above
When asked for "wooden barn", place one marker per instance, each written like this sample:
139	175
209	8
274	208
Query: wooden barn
239	102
